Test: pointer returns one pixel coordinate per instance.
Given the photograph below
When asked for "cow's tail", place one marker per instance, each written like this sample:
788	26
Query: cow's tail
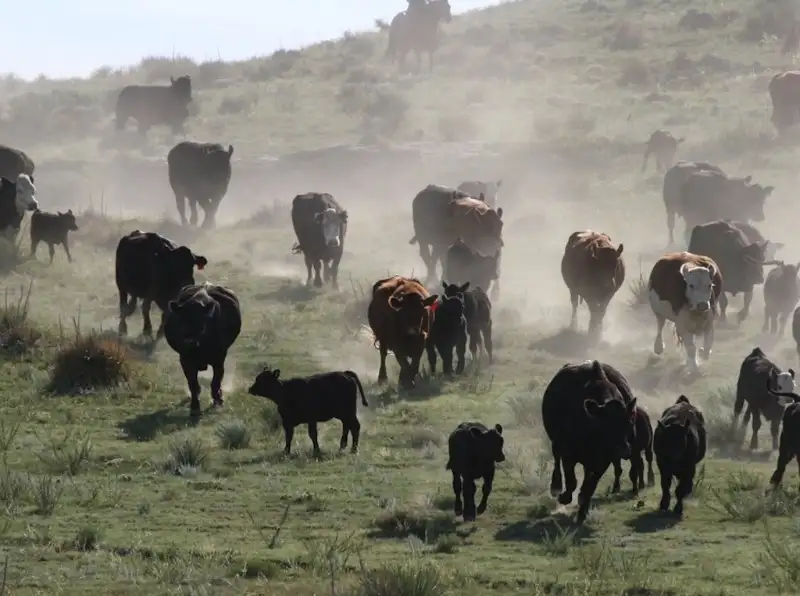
413	240
357	381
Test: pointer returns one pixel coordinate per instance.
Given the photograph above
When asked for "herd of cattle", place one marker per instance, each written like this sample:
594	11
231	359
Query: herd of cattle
590	414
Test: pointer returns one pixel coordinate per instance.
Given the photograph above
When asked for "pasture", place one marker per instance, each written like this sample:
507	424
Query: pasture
106	487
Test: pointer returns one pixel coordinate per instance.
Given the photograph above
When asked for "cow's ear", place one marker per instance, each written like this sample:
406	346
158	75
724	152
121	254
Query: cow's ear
343	215
463	288
173	306
430	300
632	405
476	432
619	249
791	372
500	212
276	373
498	428
768	190
592	407
318	217
444	285
200	261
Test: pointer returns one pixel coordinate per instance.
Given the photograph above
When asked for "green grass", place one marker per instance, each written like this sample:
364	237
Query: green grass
106	487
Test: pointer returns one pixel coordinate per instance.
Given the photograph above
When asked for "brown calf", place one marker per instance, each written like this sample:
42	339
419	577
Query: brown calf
400	316
593	270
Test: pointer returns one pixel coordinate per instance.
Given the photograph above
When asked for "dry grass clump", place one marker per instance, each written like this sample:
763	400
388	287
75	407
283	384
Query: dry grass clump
17	334
88	363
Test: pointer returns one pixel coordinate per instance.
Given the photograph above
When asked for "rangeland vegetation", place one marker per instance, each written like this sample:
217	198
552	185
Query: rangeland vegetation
105	485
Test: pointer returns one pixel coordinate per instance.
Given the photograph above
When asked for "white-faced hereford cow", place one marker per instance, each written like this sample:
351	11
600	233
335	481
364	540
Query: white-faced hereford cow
155	269
199	173
740	261
684	288
674	180
484	191
442	215
664	146
400	316
320	225
16	197
593	270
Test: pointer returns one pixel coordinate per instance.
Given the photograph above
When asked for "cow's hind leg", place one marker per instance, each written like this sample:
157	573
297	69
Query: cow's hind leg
774	428
756	427
458	507
469	499
556	482
193	209
589	485
180	203
745	312
723	306
313	435
658	344
780	323
486	490
785	455
382	377
683	490
570	481
574	300
309	264
317	263
355	432
147	329
666	485
487	339
616	487
216	381
636	474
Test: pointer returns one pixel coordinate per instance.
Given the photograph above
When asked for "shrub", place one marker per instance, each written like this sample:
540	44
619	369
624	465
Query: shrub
233	435
409	578
90	362
427	524
17	335
188	453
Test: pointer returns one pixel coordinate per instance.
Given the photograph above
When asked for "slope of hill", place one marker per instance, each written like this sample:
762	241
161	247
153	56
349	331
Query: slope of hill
107	488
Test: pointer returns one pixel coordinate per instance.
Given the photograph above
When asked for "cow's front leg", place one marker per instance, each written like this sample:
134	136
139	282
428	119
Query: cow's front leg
573	298
723	306
708	342
691	350
190	372
748	299
658	344
216	382
486	490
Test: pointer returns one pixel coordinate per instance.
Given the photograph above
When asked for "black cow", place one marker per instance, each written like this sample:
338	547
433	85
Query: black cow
461	265
16	197
588	411
314	399
641	442
52	228
679	442
448	331
153	268
674	180
150	105
781	292
754	373
201	324
707	196
796	329
199	172
473	451
14	162
740	261
478	313
790	434
320	225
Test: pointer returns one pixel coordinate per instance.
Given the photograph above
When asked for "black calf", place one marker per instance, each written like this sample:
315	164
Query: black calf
52	228
473	452
448	332
641	440
790	434
478	312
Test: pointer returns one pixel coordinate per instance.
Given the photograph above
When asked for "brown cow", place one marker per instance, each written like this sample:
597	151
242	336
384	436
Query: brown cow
593	271
441	215
400	317
784	91
663	145
685	288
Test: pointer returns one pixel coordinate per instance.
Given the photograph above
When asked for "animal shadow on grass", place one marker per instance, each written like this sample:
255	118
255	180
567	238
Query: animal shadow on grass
659	373
652	521
542	530
289	292
566	342
146	427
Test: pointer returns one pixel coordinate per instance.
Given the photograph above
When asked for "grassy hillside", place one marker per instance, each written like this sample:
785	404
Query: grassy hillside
106	487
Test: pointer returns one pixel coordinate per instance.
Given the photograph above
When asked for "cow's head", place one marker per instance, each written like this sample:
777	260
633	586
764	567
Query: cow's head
782	382
454	289
491	443
751	197
26	194
753	257
268	384
450	308
411	308
178	266
605	404
674	431
192	317
785	398
606	258
220	158
332	223
67	220
699	285
182	87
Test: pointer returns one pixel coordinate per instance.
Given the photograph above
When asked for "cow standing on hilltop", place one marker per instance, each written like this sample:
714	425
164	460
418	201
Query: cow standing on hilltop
593	270
441	216
684	288
400	316
320	225
151	105
199	173
14	162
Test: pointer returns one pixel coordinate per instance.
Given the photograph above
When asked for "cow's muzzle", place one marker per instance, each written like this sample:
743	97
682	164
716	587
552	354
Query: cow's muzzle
702	307
334	243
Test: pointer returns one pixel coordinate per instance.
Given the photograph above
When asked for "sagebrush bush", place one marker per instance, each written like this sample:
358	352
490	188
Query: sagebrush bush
17	334
88	363
233	435
188	453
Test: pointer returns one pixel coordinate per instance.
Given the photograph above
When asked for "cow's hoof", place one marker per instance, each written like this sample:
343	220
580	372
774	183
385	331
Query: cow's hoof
481	509
565	498
664	505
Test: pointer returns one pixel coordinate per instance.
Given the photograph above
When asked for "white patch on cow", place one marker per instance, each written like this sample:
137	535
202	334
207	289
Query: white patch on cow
688	324
26	194
699	285
784	383
331	224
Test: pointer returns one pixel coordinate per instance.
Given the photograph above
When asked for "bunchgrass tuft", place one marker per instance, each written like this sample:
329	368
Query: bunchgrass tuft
90	363
233	435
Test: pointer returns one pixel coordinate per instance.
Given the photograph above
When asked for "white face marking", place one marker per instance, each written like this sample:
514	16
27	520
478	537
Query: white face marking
784	383
331	224
699	286
26	194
